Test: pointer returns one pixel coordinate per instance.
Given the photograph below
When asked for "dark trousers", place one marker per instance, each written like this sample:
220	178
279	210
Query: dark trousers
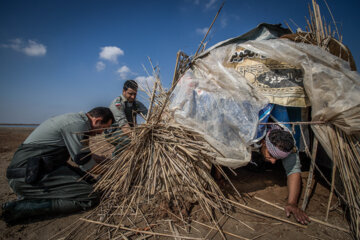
63	183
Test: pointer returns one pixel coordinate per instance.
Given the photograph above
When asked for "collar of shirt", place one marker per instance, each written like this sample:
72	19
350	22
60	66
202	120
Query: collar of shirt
127	103
86	119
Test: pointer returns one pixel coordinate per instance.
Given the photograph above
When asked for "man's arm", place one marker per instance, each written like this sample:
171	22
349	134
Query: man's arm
78	146
141	108
126	129
100	164
117	107
293	184
293	168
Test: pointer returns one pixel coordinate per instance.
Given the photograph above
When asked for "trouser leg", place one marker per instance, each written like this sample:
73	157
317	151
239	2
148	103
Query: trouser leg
62	183
60	191
16	211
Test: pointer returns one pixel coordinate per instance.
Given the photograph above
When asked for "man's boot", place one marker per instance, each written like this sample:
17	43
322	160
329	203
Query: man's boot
17	211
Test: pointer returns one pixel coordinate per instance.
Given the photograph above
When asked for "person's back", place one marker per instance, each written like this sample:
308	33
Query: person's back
40	175
62	134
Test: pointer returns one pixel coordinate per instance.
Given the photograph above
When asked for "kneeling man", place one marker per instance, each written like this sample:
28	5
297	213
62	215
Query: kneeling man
40	175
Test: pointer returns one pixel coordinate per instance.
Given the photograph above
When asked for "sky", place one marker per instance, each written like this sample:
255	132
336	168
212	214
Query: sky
60	56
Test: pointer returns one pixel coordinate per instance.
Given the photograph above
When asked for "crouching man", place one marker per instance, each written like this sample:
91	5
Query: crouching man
125	109
40	175
276	142
279	144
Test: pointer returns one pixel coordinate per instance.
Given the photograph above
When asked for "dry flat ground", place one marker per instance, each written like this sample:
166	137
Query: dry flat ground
270	185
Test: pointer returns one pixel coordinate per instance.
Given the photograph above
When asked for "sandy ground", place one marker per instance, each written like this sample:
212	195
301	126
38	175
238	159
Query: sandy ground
270	185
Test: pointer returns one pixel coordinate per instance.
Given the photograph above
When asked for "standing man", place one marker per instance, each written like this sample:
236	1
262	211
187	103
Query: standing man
125	108
40	175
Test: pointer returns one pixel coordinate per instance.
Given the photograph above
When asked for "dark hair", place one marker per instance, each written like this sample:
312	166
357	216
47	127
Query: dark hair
130	84
103	112
282	139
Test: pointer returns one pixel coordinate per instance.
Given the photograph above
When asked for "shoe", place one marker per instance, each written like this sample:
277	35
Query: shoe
16	212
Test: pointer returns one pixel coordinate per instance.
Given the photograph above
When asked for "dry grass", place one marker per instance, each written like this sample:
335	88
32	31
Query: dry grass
164	164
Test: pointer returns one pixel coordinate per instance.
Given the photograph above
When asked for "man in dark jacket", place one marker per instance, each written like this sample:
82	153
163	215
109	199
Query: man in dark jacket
125	108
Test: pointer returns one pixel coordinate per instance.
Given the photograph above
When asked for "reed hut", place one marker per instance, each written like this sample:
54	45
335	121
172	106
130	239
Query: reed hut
311	72
209	117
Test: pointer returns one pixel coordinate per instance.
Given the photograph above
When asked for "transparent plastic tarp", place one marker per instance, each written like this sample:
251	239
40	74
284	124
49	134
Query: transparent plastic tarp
218	102
333	89
221	102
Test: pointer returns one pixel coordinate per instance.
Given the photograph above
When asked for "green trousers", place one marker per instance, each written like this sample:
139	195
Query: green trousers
59	192
63	183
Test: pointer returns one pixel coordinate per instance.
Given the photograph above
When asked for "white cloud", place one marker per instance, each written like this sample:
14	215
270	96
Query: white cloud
110	53
124	72
35	49
30	47
210	4
223	22
202	31
100	66
145	82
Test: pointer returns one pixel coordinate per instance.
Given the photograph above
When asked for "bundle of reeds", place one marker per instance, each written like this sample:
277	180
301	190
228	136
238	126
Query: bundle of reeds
345	148
319	32
346	159
165	169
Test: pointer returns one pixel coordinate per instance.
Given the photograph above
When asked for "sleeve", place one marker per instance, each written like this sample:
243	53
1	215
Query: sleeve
77	145
292	164
118	109
141	108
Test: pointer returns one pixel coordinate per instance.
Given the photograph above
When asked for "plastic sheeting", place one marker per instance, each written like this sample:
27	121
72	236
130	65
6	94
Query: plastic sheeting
217	102
220	103
333	89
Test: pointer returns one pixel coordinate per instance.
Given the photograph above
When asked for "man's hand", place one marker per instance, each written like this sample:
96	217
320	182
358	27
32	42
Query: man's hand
299	214
293	182
98	159
99	167
126	129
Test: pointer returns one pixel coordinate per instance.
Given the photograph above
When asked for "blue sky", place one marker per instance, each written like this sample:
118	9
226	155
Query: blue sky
59	56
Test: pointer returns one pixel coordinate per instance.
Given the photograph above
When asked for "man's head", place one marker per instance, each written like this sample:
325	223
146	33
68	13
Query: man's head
278	144
130	90
100	118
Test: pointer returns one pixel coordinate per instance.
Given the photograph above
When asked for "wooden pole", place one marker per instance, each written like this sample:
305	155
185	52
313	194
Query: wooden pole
311	219
332	188
176	75
311	173
264	214
229	233
136	230
217	14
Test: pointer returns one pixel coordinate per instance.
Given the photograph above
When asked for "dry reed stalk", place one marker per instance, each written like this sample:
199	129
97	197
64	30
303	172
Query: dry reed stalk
318	32
162	161
212	23
136	230
331	190
256	211
311	171
311	218
228	233
346	155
